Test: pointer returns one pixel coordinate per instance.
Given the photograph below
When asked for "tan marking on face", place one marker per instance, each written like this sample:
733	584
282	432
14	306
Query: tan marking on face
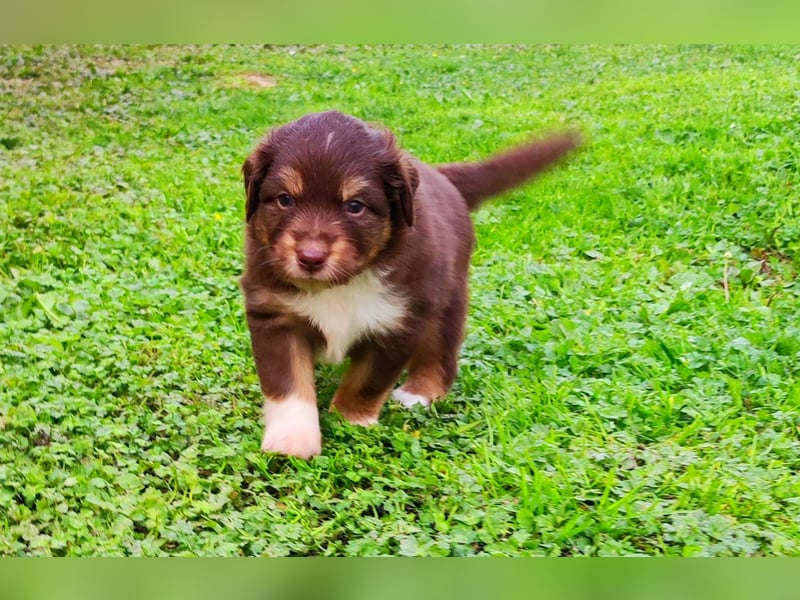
342	255
261	233
285	246
351	187
291	181
381	242
285	252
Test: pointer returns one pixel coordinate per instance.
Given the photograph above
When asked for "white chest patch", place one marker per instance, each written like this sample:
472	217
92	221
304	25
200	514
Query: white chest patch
348	313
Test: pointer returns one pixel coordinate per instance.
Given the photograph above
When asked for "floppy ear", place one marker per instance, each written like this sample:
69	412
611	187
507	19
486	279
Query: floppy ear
401	180
399	174
254	170
410	181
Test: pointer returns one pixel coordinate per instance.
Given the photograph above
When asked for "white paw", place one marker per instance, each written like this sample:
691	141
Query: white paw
292	428
407	399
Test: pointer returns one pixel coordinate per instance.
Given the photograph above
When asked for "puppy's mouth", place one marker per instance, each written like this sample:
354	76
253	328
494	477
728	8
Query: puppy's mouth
314	264
318	282
316	277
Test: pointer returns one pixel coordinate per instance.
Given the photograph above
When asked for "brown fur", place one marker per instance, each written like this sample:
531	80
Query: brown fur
413	234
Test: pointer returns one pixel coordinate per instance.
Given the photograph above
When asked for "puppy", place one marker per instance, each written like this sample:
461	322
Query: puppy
355	249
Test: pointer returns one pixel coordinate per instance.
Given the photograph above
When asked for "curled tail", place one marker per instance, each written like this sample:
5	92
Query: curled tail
479	181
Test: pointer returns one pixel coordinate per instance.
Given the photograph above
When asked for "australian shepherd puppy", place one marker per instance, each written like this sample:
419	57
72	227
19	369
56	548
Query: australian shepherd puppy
355	249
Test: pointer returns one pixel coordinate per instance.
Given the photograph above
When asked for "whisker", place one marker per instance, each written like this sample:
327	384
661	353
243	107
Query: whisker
269	262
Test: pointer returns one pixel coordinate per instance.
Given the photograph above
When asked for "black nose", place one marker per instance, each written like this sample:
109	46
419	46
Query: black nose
311	258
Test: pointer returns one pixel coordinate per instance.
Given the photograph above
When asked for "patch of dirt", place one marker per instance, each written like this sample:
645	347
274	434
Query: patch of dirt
258	80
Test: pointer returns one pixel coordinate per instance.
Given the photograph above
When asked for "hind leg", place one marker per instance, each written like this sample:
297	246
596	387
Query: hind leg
432	369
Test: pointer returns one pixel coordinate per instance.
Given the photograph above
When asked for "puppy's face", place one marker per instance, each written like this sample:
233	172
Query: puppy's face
325	195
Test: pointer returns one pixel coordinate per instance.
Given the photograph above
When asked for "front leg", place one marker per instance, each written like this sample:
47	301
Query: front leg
373	372
285	365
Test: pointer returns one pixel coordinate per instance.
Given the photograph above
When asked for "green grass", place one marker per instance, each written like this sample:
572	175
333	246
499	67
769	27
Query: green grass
629	381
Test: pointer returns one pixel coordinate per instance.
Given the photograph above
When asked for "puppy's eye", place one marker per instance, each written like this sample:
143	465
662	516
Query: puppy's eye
355	207
285	201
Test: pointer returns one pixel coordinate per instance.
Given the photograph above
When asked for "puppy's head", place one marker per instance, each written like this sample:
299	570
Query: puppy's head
325	195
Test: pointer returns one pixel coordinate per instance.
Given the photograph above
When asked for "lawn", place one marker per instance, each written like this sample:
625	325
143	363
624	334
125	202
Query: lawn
629	382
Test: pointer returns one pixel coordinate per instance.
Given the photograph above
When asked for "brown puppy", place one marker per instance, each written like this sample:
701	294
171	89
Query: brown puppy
356	249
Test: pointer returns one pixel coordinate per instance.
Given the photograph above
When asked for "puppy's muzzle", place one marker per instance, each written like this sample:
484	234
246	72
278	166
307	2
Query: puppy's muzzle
312	256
